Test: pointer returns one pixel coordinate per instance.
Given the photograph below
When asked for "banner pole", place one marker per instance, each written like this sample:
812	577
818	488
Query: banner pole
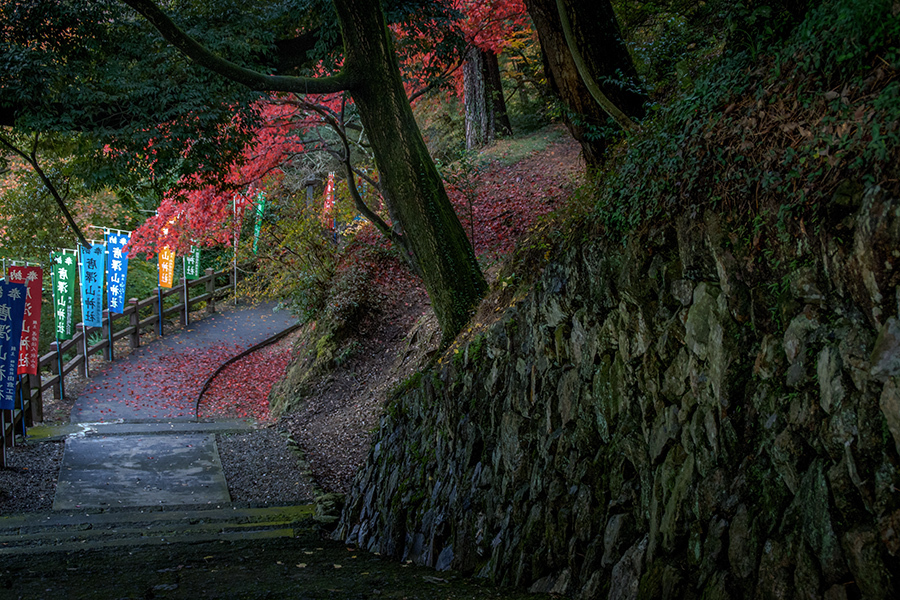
109	340
84	336
184	279
60	365
2	439
159	303
22	404
237	235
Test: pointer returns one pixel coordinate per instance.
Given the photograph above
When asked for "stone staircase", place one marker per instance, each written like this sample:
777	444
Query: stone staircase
71	531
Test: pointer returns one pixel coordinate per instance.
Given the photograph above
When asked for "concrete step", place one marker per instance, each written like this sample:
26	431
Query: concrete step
75	531
55	433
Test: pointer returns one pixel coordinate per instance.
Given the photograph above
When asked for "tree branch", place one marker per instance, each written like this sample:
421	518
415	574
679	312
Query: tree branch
361	206
248	77
31	159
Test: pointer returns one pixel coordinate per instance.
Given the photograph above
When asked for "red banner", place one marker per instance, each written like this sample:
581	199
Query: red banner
33	278
328	208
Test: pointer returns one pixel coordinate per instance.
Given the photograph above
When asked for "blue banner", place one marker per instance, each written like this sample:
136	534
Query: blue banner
12	312
92	285
116	271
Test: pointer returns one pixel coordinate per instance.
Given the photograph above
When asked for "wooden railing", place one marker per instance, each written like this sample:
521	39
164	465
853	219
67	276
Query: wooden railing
143	316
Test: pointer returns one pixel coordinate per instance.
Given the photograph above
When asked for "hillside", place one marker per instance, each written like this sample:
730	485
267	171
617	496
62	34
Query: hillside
687	386
379	328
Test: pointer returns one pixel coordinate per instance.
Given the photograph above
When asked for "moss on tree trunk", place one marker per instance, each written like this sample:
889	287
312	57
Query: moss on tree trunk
597	36
416	192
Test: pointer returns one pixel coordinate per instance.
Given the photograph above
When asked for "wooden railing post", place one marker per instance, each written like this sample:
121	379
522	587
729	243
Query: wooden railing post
9	433
108	333
56	369
134	321
81	349
159	312
25	395
211	291
35	398
184	298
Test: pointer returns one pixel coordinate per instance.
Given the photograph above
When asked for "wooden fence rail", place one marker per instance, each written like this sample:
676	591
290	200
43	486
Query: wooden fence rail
141	316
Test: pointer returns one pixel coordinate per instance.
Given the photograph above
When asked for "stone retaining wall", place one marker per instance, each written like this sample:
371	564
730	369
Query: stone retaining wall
686	417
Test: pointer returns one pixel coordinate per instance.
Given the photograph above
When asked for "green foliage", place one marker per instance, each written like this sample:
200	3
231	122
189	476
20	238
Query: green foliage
31	225
143	278
772	134
664	48
410	383
671	40
296	259
529	99
91	67
442	123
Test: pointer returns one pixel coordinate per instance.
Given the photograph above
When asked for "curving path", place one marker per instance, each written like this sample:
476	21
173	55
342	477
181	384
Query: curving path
154	381
133	441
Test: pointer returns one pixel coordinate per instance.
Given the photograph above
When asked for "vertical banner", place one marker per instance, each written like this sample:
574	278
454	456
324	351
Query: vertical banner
192	264
92	263
166	267
63	277
33	279
116	271
260	210
12	311
328	207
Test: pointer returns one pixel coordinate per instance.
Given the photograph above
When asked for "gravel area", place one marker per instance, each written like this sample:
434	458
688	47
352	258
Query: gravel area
262	467
28	483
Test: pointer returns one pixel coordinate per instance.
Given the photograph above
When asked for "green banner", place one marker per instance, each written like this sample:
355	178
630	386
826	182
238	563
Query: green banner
192	264
260	210
63	273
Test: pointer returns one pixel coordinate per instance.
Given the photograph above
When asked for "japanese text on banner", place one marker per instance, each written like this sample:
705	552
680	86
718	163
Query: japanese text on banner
12	311
63	277
166	267
192	264
33	279
92	263
116	271
260	211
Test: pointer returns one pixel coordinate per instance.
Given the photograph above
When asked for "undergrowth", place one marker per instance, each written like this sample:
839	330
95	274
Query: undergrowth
771	132
767	138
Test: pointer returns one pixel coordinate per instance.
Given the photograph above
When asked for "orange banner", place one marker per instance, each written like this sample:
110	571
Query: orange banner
166	267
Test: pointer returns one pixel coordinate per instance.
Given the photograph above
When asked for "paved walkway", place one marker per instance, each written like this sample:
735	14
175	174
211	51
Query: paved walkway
133	441
158	381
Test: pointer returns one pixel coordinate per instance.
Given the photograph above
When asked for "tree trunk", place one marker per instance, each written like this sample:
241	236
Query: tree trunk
415	190
494	91
598	38
479	125
486	115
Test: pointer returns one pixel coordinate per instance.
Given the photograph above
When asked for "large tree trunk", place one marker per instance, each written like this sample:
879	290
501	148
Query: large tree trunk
415	190
486	115
599	40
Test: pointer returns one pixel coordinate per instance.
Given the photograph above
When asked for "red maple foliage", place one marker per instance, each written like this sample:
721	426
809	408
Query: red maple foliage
489	24
198	212
498	203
